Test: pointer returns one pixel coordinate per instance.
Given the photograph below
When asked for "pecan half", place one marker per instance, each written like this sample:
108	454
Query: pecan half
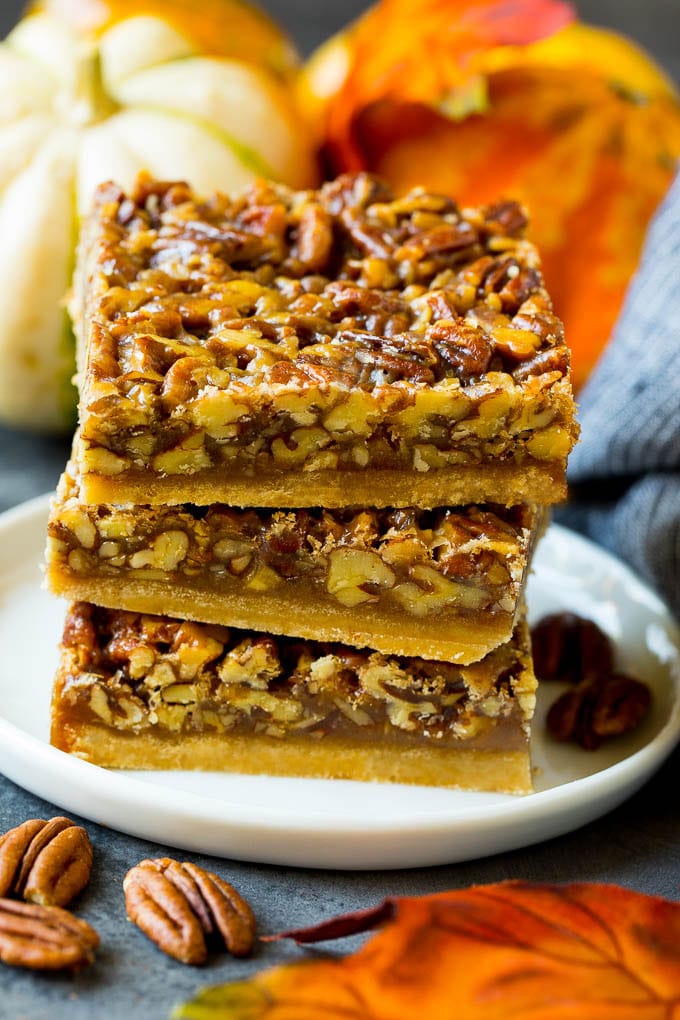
179	906
507	218
44	938
315	238
596	710
602	704
462	347
554	359
569	649
405	356
45	862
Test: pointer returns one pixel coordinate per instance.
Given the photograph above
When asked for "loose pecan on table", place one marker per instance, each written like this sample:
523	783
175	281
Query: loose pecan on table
45	862
602	703
44	938
180	906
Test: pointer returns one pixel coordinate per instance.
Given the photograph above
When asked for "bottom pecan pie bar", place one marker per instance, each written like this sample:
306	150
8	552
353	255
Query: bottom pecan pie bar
135	691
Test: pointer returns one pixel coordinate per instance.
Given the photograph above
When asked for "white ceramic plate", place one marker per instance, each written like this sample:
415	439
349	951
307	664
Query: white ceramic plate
326	824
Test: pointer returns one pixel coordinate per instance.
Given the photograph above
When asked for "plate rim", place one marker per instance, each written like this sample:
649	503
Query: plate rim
641	762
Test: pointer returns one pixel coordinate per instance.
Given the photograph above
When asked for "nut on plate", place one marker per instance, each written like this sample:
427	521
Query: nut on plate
597	710
601	704
45	862
44	938
568	648
181	906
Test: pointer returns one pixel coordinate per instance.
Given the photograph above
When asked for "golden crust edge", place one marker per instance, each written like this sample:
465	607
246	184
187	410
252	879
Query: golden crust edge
458	768
289	617
493	483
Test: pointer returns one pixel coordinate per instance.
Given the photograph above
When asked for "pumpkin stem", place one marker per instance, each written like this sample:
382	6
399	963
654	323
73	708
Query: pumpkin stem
92	101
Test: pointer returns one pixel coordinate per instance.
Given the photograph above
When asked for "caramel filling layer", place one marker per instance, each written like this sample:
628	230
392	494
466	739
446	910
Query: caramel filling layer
135	673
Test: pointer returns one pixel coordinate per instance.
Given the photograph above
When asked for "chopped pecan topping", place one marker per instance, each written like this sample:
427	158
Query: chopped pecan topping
314	238
47	862
506	217
354	191
181	907
207	310
44	938
555	359
371	357
462	348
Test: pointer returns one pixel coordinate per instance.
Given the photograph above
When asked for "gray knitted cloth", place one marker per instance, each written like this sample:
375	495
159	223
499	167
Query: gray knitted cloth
625	473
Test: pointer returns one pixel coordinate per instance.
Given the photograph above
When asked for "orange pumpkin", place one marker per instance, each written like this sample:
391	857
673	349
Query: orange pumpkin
480	98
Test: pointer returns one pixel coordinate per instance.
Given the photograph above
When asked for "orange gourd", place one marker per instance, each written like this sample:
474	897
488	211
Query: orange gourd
483	99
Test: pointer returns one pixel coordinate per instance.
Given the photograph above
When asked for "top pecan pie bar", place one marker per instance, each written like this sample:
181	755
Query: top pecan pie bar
316	348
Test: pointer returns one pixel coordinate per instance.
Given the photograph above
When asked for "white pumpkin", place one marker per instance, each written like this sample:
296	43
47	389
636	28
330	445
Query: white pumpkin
75	111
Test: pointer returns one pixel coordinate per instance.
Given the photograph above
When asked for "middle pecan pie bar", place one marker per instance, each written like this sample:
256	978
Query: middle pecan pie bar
137	691
444	584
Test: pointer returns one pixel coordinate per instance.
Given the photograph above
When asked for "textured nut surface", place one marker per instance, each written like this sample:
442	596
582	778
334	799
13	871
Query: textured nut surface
44	938
342	555
101	461
180	906
273	328
249	682
355	574
45	862
166	552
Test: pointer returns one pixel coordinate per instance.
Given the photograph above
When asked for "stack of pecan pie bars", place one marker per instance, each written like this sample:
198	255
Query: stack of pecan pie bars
319	433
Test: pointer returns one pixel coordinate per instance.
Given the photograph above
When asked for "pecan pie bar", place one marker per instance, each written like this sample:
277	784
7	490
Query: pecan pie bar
330	348
136	691
444	584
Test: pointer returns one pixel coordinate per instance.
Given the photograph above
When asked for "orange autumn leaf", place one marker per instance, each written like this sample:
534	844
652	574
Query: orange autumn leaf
578	124
512	950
